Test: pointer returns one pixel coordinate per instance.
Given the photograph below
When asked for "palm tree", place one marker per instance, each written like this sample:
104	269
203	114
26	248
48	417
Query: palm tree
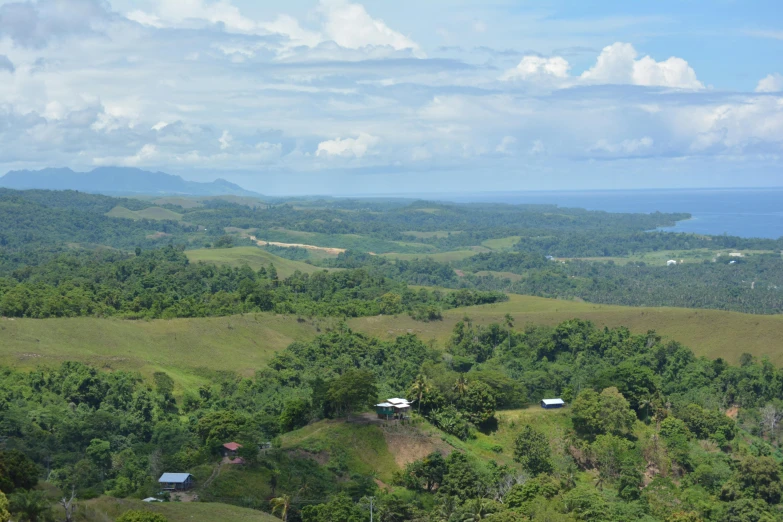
31	505
461	386
283	504
420	387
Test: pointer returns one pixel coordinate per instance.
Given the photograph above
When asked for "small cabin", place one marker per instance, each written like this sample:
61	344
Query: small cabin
230	449
671	262
551	404
176	481
393	409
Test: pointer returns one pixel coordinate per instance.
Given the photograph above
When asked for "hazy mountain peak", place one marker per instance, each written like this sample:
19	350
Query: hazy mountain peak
118	180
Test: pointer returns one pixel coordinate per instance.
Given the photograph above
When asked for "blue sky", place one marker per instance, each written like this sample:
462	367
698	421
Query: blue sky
340	96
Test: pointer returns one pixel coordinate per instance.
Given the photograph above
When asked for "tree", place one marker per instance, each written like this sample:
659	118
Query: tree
420	387
295	414
478	402
5	516
352	390
757	477
531	449
461	385
30	506
281	504
141	516
608	412
770	417
17	471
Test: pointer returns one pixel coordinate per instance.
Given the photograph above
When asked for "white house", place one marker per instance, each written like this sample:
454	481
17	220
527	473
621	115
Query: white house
671	262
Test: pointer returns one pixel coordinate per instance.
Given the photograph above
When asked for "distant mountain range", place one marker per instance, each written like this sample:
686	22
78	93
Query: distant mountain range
118	181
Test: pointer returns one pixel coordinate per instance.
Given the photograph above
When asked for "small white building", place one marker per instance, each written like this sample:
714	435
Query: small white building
671	262
550	404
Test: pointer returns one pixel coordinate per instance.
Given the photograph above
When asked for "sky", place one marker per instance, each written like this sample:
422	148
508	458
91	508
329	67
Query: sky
403	96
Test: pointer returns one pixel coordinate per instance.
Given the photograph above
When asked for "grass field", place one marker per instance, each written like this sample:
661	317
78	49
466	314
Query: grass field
361	447
105	509
443	257
192	350
502	244
712	333
154	213
253	257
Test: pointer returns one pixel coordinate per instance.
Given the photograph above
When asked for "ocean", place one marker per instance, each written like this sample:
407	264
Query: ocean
736	212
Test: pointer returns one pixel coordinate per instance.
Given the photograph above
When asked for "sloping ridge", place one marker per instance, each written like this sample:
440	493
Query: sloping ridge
117	181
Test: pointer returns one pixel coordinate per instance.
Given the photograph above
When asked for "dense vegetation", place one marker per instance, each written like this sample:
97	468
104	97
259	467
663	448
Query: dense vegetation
163	283
647	438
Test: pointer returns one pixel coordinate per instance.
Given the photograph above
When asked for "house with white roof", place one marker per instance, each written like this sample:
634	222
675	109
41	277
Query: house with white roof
176	481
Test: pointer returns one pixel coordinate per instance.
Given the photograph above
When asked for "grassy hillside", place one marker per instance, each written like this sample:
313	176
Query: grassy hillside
190	350
154	213
105	509
712	333
254	257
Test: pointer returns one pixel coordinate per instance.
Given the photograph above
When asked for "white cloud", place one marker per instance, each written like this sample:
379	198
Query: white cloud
770	83
537	68
225	140
347	24
537	147
348	147
351	26
505	145
617	64
144	156
625	147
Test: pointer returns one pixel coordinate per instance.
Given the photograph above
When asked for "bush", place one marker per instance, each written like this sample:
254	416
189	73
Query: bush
136	515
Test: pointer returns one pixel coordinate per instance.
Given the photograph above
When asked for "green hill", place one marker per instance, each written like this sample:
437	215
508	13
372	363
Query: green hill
105	508
712	333
190	349
253	257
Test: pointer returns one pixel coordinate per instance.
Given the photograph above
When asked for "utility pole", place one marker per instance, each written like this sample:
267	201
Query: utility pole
372	499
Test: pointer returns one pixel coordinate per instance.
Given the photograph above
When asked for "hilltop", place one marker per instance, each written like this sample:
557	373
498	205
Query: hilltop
118	181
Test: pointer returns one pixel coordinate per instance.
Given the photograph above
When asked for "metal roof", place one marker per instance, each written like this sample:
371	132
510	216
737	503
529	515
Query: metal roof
384	405
398	401
232	446
174	478
552	402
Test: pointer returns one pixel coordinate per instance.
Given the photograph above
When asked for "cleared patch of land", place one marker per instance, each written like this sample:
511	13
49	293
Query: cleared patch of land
190	350
326	250
712	333
443	257
502	244
106	508
360	445
253	257
154	213
427	235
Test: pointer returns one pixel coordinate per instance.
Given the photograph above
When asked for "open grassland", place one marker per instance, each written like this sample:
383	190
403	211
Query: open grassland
442	257
428	235
190	350
105	509
502	244
359	445
154	213
712	333
253	257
